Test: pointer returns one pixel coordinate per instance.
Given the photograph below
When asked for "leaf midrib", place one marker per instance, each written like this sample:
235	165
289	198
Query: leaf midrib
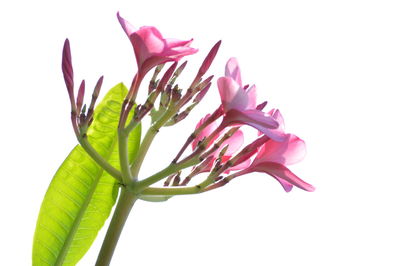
68	241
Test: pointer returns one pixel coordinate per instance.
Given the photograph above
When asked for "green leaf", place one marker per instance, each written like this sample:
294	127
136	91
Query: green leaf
81	194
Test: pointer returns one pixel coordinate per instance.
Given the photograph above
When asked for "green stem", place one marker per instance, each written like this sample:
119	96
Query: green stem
148	139
99	159
178	190
124	156
172	168
121	213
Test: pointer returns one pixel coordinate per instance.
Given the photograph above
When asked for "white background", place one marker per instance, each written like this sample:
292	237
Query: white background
332	67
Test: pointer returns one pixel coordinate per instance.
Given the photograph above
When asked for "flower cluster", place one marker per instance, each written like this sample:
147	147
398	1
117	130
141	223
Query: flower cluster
216	143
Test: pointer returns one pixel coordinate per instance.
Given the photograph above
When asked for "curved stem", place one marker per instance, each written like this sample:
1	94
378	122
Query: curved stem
179	190
125	203
124	156
148	139
172	168
99	159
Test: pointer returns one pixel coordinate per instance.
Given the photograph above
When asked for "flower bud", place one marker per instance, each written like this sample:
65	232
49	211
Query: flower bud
79	98
178	73
95	95
68	72
167	75
209	59
201	94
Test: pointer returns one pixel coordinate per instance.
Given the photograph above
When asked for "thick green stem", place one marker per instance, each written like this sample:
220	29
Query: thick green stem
99	159
121	213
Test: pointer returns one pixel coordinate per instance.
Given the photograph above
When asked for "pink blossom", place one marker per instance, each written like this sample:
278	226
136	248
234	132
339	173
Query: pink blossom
273	157
151	49
240	104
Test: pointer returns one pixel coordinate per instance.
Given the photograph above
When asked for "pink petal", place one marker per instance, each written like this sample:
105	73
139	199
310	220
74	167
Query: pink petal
234	142
148	40
170	42
276	114
252	97
232	70
240	166
257	119
279	170
126	26
290	151
286	185
205	132
232	95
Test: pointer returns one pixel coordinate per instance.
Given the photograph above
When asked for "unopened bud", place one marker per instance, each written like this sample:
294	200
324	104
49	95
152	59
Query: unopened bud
157	71
68	71
201	94
182	115
95	95
204	83
178	72
209	59
81	95
167	75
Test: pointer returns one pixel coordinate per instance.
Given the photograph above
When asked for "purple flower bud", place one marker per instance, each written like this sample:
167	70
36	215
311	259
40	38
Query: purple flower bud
167	75
201	94
209	59
81	95
68	72
97	88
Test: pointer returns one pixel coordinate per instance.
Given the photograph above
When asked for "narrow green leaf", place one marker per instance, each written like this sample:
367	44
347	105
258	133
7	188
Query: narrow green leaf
81	194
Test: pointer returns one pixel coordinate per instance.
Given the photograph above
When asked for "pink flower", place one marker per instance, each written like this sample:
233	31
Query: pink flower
273	157
151	49
240	104
234	143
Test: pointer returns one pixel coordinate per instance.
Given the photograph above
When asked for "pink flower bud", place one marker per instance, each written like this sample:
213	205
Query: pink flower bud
68	71
167	75
209	59
81	95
